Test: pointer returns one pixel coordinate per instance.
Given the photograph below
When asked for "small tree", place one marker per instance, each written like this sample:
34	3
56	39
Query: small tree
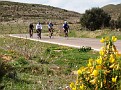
95	19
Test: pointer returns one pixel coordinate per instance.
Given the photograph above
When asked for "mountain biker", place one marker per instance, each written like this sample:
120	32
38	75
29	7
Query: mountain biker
50	29
66	28
31	27
39	29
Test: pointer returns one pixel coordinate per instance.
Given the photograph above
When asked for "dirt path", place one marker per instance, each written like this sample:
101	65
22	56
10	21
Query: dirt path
71	42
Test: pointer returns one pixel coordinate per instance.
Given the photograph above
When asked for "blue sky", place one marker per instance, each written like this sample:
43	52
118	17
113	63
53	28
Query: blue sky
73	5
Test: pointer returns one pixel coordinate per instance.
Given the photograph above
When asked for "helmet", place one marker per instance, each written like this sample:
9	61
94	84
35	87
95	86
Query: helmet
65	21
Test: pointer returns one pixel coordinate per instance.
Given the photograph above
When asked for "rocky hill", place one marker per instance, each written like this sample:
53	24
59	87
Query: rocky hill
11	11
113	10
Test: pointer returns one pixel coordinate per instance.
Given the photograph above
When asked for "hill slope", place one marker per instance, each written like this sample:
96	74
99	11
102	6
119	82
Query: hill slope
14	11
113	10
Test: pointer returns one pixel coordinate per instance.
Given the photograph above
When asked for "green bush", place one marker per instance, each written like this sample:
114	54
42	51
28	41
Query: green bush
84	49
94	19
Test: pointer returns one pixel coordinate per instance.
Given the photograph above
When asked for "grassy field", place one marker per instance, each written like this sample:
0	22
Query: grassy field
38	66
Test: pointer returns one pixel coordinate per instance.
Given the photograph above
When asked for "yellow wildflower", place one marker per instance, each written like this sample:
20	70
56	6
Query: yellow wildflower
114	39
95	73
112	60
98	67
79	72
114	79
82	87
102	40
91	69
74	88
102	52
99	61
90	63
91	60
72	85
106	38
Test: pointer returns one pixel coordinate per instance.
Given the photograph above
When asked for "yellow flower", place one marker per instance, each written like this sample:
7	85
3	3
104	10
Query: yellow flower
106	38
102	52
98	67
99	61
72	85
90	63
102	40
89	70
112	60
82	87
79	72
95	73
114	79
114	39
74	88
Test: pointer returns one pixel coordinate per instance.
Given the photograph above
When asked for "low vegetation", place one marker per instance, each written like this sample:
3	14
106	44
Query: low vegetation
33	65
103	73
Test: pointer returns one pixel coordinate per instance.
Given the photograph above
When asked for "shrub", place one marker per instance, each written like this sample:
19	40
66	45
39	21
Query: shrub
102	73
95	19
84	49
5	69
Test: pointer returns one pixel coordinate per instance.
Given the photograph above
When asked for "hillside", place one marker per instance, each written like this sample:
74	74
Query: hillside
113	10
14	11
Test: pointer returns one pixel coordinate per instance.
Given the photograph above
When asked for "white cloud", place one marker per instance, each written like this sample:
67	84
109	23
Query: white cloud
80	5
74	5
